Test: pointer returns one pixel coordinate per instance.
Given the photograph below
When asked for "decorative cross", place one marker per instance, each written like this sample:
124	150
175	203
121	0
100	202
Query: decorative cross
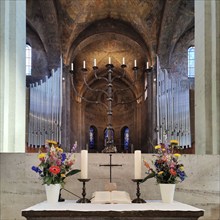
110	166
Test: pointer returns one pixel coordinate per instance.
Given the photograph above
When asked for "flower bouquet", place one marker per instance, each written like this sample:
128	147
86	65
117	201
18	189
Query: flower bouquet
55	165
167	168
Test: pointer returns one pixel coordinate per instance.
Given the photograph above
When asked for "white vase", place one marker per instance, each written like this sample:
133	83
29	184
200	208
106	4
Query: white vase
52	192
167	192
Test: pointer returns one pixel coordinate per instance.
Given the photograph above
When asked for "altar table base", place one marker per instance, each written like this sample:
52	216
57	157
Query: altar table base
152	210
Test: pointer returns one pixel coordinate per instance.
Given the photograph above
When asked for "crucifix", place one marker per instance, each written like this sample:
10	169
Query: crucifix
110	165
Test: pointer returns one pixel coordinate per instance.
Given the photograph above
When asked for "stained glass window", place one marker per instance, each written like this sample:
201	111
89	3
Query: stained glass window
126	138
108	135
92	137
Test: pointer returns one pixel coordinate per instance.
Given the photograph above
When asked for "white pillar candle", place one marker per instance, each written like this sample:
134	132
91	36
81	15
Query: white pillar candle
94	62
84	64
123	61
109	60
84	164
71	67
137	164
135	63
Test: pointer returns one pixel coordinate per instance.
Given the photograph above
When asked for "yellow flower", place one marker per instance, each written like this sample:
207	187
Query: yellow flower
41	155
51	142
182	168
63	175
157	147
175	142
161	172
59	149
177	155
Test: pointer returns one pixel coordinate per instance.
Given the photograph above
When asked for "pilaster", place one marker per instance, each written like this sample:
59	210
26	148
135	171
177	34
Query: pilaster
207	92
215	17
12	75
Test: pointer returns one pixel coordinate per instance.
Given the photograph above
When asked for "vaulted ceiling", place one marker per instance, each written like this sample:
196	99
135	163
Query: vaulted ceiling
87	29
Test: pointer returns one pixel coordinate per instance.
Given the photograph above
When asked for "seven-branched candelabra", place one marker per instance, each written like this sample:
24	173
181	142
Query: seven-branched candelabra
109	79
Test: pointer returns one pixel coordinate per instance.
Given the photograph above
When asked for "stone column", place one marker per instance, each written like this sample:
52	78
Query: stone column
207	77
12	75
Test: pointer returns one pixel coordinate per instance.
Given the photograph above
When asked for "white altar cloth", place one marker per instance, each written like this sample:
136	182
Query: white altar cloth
71	205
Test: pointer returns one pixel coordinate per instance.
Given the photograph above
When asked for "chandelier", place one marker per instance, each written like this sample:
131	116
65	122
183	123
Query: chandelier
109	84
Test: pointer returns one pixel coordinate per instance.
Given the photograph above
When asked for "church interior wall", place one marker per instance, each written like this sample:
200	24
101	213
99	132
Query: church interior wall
75	119
179	56
123	115
39	68
21	187
135	115
84	115
75	129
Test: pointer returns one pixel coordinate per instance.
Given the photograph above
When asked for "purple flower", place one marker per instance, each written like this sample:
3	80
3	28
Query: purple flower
36	169
63	157
181	175
74	147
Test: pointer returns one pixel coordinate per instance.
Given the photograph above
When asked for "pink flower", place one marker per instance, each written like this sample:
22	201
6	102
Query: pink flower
69	163
58	162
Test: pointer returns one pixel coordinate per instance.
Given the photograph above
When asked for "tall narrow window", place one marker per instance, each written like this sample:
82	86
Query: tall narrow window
108	136
92	137
125	138
191	62
28	59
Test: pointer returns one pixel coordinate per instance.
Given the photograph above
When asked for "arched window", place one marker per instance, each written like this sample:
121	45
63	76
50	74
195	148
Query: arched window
125	138
108	135
92	137
191	62
28	59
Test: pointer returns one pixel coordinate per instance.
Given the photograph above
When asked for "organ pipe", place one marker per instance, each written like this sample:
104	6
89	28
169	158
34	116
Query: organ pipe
45	110
173	108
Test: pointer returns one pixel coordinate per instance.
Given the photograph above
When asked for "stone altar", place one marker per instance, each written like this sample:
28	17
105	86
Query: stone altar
152	210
